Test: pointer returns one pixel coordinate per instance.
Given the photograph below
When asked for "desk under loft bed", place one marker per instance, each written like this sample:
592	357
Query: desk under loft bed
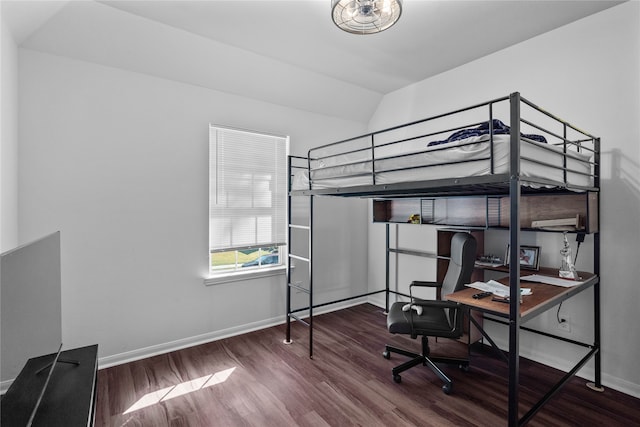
493	172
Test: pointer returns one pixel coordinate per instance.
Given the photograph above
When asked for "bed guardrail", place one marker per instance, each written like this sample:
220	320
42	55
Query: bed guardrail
554	153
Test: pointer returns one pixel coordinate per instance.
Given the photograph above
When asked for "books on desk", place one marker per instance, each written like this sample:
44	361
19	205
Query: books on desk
562	224
496	288
489	263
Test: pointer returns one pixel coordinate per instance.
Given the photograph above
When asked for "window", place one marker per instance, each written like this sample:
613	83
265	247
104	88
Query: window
247	200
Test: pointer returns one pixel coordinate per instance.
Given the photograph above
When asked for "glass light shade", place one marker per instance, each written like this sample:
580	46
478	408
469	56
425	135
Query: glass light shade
365	16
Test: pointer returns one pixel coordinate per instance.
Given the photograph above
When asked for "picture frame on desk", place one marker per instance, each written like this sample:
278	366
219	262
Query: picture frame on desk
529	257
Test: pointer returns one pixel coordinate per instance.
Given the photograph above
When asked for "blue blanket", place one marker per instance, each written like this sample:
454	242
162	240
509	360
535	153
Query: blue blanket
499	128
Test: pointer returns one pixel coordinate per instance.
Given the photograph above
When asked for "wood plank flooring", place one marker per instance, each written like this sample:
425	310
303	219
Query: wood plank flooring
257	380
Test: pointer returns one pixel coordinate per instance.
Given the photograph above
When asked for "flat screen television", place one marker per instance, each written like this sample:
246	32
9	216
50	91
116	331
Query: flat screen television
30	296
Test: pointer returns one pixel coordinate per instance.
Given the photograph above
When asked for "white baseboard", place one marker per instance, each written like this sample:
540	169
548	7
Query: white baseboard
4	386
143	353
377	303
621	385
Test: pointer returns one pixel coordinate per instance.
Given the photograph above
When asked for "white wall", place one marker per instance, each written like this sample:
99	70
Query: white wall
8	141
118	162
588	73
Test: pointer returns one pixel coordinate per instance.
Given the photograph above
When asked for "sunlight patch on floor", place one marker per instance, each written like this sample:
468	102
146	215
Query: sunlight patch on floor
180	389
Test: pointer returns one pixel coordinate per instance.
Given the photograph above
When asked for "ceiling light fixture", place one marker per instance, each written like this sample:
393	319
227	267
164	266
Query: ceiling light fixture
365	16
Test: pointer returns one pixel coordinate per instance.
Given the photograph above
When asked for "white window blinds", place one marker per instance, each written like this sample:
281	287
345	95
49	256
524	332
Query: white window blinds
247	189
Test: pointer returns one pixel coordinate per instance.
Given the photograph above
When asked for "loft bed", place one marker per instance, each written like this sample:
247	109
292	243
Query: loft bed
503	149
419	158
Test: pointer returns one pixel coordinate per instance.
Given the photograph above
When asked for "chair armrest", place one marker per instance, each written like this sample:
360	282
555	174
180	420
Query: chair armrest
436	303
422	284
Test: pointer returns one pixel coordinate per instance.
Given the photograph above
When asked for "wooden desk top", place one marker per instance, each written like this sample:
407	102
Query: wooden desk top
542	298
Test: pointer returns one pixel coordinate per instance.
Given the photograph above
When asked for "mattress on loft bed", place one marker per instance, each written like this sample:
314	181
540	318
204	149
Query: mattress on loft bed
437	162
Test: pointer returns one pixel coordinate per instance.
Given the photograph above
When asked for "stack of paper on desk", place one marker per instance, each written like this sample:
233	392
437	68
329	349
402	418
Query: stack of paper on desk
496	288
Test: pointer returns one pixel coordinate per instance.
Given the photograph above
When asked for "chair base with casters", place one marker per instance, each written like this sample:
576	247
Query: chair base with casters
424	359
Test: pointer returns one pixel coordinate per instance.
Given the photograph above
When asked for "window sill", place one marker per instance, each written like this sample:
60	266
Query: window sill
242	276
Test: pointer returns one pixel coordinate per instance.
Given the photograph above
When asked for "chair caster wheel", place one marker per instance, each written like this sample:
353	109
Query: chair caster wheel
397	378
446	388
464	368
386	355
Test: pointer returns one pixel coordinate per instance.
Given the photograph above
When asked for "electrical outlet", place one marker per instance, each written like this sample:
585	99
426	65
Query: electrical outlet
565	324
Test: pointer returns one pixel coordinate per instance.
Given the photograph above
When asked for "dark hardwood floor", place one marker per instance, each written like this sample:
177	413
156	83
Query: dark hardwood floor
257	380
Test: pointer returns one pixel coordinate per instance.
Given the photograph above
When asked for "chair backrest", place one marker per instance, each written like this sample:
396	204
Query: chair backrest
463	256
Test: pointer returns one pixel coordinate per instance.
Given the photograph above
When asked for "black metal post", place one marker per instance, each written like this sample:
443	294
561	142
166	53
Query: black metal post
373	160
596	314
514	260
310	277
288	277
596	266
388	269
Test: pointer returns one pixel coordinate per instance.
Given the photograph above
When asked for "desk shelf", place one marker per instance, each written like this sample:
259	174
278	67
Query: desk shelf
491	211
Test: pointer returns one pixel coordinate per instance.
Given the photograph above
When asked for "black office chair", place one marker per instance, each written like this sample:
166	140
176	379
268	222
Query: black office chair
438	318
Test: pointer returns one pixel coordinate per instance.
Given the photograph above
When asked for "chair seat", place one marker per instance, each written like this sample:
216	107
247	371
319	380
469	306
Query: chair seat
431	322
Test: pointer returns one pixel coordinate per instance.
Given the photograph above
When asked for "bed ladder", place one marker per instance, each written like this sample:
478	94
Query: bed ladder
293	256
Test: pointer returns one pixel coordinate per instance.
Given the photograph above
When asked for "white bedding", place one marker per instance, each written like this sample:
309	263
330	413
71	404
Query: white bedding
355	168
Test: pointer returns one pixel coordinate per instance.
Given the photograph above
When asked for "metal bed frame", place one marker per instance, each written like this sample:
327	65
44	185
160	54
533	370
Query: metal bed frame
511	184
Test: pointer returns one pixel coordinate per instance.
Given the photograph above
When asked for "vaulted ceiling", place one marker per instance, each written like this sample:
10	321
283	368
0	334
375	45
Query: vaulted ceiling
284	52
